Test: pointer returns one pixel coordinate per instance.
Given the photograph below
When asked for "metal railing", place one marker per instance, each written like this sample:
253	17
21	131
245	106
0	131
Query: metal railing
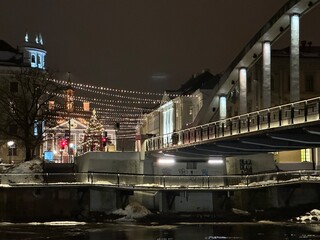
159	182
279	116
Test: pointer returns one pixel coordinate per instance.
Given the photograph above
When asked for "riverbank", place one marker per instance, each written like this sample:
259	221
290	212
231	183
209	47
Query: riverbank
302	214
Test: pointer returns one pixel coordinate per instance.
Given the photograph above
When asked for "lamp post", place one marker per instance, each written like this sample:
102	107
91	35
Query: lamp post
10	145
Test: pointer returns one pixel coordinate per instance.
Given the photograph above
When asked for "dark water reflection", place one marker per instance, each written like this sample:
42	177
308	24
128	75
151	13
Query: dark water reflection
181	231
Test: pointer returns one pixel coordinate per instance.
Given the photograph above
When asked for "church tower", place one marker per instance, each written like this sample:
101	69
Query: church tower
69	97
33	52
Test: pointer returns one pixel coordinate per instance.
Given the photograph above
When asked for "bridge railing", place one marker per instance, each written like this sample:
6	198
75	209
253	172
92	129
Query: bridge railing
279	116
158	182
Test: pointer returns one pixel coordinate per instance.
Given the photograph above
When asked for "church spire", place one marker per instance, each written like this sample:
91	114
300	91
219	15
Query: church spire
40	39
26	37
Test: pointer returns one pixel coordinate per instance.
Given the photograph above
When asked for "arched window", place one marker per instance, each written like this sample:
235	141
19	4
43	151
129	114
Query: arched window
33	59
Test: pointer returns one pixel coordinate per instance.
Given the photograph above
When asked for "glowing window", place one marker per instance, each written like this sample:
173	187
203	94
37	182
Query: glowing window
306	155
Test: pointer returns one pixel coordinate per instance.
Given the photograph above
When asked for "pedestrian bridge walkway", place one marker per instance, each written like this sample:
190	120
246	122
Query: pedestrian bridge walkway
289	126
141	182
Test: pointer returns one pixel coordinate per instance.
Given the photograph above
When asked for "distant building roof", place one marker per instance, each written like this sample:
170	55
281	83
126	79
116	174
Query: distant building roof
6	47
306	50
9	56
204	80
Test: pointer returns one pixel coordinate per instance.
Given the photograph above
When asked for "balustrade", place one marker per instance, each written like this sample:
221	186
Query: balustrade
156	182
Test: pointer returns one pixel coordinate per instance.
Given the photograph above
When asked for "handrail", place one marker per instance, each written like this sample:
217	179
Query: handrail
279	116
160	182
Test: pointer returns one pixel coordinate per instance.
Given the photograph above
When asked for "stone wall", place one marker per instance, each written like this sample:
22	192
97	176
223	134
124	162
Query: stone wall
122	162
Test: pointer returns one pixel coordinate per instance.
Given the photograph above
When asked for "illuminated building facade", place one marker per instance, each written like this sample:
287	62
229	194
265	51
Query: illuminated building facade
31	54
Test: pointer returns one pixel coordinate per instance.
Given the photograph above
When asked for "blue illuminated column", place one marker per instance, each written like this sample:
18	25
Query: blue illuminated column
223	107
294	59
243	90
266	72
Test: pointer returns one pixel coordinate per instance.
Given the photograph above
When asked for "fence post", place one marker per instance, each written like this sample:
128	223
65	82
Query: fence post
247	180
118	180
164	181
208	178
300	175
292	114
305	111
280	116
230	127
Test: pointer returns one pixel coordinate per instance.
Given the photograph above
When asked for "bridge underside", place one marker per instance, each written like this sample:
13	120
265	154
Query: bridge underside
245	144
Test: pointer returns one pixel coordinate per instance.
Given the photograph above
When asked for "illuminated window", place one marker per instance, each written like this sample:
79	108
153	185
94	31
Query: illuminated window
12	151
306	155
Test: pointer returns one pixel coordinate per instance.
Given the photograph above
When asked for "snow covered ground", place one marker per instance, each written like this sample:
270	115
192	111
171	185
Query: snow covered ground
25	172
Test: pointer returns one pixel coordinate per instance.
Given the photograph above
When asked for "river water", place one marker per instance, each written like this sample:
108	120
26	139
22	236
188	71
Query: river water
179	231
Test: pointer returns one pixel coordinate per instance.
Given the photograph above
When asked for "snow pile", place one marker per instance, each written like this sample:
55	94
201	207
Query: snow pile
25	172
132	211
240	212
312	216
58	223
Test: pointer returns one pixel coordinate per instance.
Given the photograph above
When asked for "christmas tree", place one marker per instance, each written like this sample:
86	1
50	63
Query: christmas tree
93	133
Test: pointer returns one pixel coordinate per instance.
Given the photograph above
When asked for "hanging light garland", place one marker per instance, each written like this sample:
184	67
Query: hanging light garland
153	101
88	86
102	102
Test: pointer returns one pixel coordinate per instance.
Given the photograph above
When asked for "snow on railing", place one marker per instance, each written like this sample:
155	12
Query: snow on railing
159	182
274	117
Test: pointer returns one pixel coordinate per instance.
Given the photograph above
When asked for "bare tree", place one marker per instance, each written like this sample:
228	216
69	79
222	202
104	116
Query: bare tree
24	98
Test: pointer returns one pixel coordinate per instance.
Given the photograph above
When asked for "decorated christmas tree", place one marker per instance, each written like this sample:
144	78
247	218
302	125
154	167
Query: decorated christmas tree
93	133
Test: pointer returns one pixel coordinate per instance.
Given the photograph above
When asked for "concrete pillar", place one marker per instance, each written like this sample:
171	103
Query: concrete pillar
266	75
222	107
243	91
294	59
316	158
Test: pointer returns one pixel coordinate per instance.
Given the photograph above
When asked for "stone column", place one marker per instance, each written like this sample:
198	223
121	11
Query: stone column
266	74
243	91
294	59
222	107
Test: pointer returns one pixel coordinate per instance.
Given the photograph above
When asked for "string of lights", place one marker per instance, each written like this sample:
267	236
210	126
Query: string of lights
113	100
104	117
88	86
119	119
153	101
110	111
102	102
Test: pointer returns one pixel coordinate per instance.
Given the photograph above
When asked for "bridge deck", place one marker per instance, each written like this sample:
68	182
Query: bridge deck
286	127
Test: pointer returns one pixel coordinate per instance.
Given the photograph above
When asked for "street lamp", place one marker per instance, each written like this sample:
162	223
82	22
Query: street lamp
10	145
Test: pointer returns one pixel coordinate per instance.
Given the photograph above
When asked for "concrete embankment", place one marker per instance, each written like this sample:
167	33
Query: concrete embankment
91	203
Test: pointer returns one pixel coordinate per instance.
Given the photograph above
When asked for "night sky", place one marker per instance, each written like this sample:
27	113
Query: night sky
149	45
